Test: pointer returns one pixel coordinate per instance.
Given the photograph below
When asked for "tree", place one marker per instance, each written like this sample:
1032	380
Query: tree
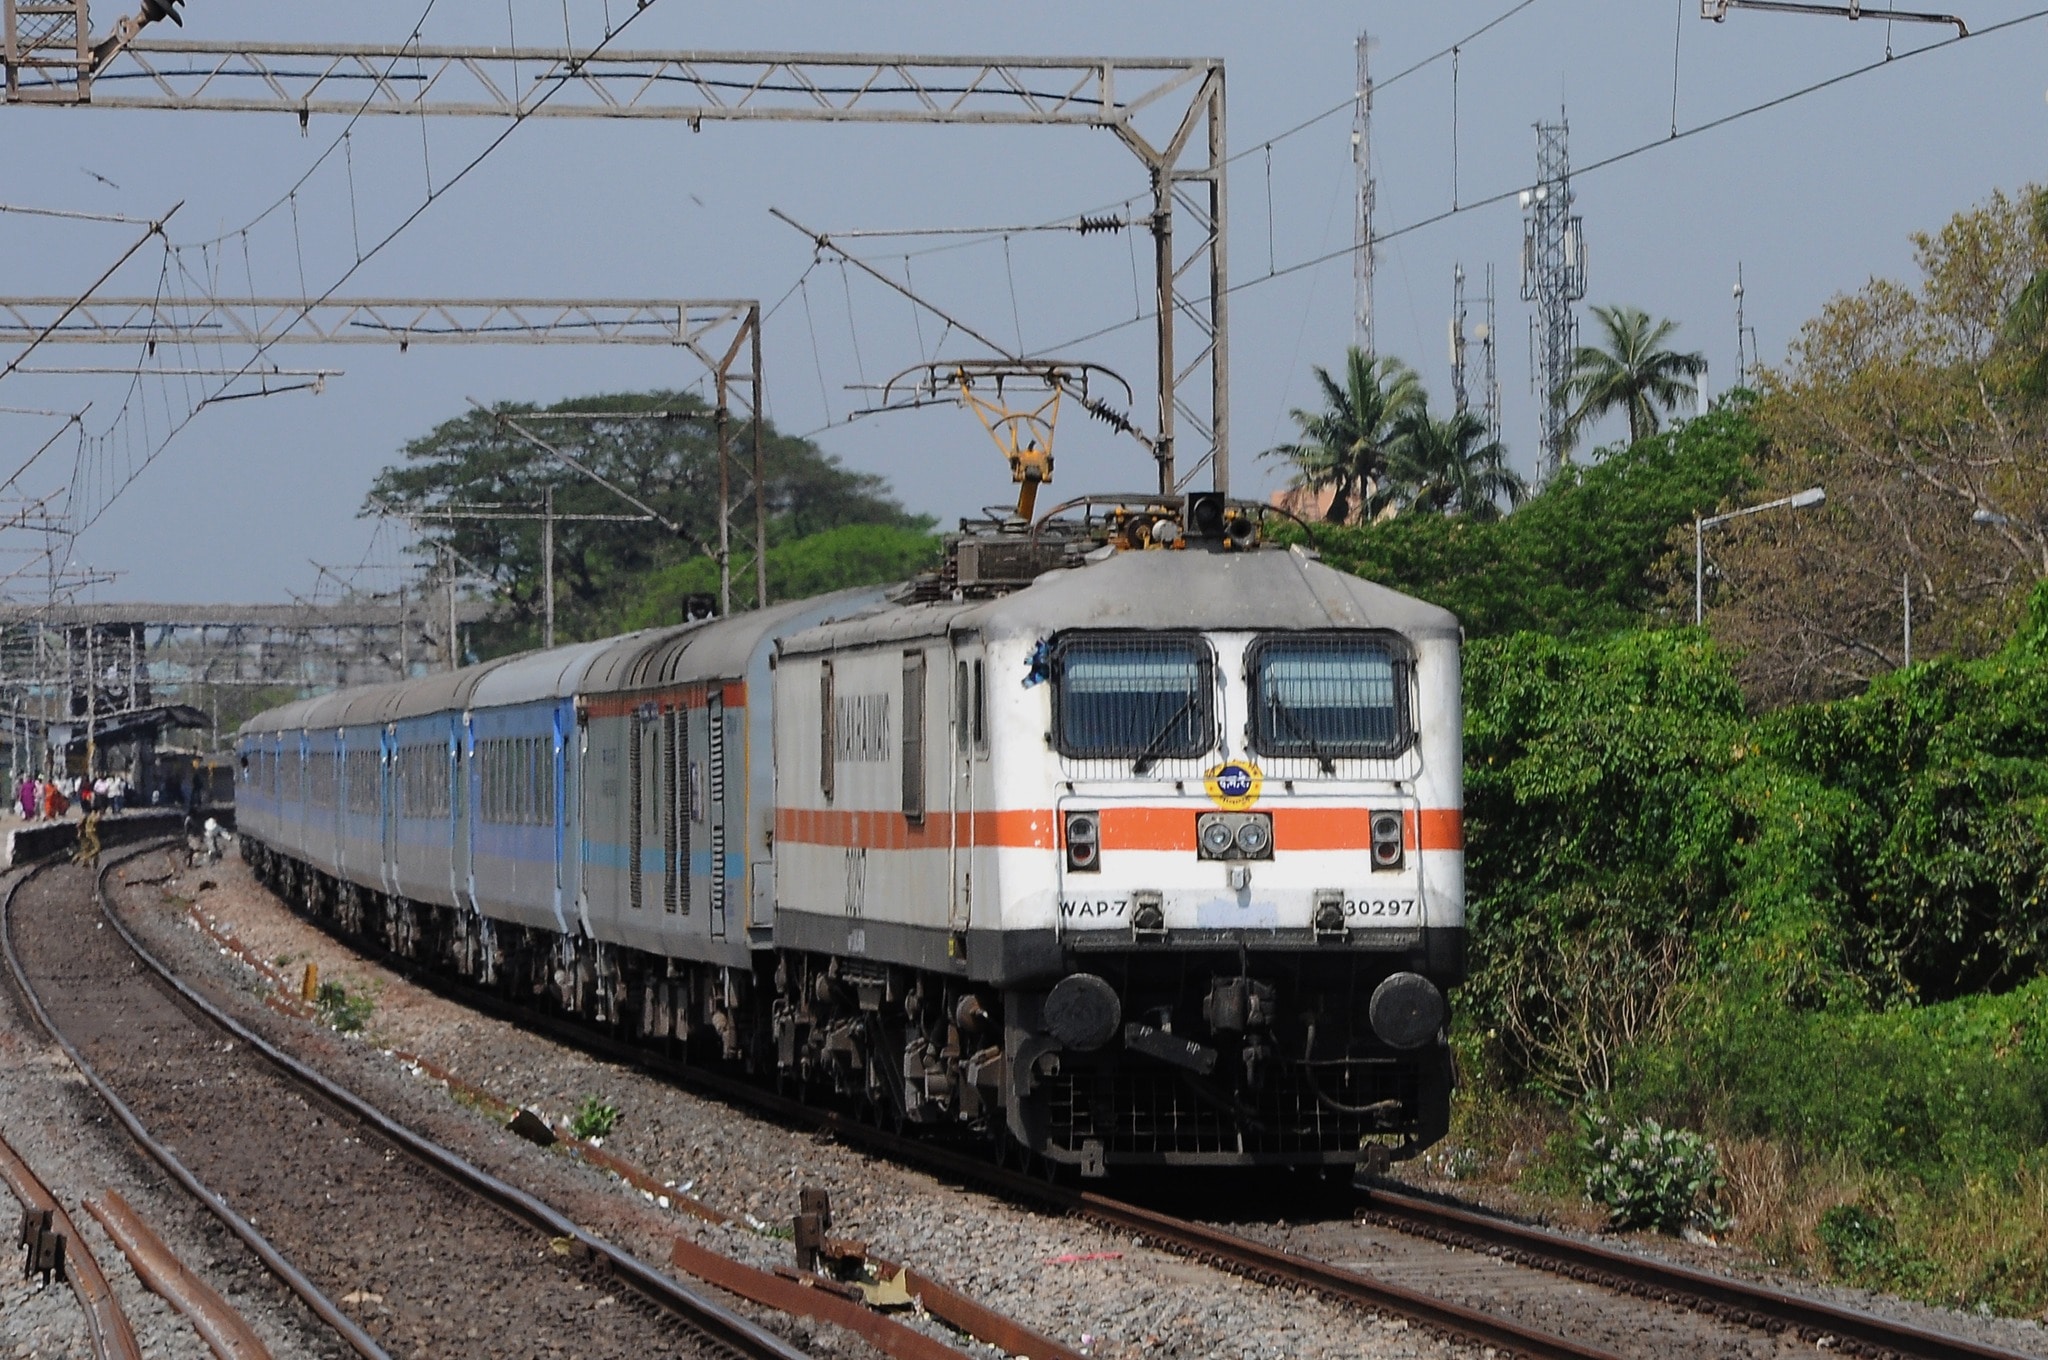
1910	405
660	446
1343	447
851	555
1597	549
1632	373
1450	466
2026	320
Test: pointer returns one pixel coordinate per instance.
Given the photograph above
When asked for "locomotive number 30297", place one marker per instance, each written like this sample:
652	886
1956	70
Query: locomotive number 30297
1378	906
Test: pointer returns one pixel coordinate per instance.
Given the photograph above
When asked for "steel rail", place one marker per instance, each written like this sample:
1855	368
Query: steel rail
106	1325
712	1320
715	1323
1737	1301
226	1332
324	1308
1740	1301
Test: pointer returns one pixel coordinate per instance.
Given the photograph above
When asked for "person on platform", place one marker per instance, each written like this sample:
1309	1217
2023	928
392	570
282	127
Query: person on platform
55	804
27	795
117	792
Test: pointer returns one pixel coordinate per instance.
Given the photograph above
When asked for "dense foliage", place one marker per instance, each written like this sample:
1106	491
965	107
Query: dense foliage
1601	547
1821	929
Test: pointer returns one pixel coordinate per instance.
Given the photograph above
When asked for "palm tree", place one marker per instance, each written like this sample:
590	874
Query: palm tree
1343	447
2026	321
1632	372
1451	466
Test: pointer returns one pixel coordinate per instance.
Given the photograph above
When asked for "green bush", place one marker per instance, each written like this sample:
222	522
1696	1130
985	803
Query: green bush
1649	1176
342	1010
1862	1247
594	1118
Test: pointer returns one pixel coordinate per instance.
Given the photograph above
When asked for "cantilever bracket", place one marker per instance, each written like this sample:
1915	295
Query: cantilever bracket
1717	10
126	29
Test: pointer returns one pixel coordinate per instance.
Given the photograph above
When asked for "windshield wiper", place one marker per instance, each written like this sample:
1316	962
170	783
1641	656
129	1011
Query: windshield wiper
1151	751
1286	715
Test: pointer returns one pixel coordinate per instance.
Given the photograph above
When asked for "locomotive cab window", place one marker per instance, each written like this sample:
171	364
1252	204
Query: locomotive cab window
1325	697
1133	698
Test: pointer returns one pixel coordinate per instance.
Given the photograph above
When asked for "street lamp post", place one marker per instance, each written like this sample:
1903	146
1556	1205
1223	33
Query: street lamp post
1813	495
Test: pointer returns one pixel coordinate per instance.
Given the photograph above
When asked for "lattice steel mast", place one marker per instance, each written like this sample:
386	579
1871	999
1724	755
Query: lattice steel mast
1553	277
1460	398
1489	350
1361	159
1184	153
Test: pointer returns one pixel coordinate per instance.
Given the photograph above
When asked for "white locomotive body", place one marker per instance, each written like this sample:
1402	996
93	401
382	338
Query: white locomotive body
1157	859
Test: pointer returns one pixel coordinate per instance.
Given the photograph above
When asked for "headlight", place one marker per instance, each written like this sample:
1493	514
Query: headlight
1216	838
1234	835
1254	837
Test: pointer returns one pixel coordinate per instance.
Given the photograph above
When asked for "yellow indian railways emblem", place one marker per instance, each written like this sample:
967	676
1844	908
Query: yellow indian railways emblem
1234	785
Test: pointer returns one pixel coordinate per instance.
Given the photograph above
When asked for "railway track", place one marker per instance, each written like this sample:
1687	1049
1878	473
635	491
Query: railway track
393	1241
1782	1323
106	1326
1735	1304
1845	1331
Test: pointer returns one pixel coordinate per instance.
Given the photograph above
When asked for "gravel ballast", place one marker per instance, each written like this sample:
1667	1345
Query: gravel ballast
1088	1287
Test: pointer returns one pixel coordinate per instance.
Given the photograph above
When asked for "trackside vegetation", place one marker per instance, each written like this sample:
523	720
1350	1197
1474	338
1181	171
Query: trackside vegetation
1817	935
1760	912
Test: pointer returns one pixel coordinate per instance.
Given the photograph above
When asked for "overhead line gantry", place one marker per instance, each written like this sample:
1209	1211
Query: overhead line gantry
1181	100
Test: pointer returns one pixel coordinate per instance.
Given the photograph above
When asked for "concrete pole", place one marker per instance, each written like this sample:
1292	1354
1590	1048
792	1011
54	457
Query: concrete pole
453	657
1906	594
92	697
547	558
1699	575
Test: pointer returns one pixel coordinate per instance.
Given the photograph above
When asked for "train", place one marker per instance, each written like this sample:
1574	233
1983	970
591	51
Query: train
1139	845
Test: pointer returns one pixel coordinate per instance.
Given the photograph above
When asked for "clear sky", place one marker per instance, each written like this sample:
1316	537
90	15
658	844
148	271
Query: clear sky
1808	199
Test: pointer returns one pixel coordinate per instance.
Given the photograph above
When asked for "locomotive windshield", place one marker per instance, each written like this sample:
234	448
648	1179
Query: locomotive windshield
1133	698
1324	697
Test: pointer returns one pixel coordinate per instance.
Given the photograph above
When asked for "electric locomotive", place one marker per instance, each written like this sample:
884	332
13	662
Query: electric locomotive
1137	842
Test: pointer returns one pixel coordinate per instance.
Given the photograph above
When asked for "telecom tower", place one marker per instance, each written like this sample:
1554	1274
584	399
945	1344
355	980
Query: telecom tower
1553	277
1361	160
1489	368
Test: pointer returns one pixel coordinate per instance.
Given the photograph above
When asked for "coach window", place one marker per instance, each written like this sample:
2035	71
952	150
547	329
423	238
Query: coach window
1135	698
1329	696
913	735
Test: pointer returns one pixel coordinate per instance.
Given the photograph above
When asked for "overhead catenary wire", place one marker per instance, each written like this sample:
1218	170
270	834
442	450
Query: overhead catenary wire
517	121
378	82
824	242
71	215
1591	167
156	229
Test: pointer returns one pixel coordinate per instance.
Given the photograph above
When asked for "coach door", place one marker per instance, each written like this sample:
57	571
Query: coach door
714	797
387	808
